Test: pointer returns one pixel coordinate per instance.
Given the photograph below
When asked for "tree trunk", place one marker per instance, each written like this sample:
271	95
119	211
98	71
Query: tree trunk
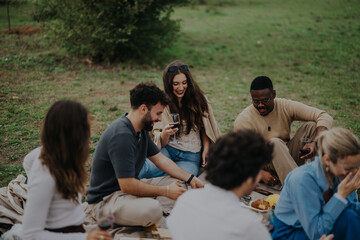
8	14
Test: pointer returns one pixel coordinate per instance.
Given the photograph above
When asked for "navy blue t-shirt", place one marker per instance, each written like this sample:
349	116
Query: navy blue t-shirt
120	153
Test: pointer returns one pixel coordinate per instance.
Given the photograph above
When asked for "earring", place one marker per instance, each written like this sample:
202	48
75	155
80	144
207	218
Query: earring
326	168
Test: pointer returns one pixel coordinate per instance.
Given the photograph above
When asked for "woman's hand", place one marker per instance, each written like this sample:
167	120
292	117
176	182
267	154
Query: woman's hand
166	132
204	156
98	235
348	184
169	130
174	190
206	145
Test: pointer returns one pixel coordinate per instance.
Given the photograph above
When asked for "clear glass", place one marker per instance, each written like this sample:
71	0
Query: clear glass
106	222
303	142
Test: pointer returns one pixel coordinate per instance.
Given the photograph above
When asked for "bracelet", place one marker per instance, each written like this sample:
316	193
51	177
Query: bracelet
167	190
190	178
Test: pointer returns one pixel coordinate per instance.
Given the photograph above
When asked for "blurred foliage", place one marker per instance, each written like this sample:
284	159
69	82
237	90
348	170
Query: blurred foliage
111	30
12	2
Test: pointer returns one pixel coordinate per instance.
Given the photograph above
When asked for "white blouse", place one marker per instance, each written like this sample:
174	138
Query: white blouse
46	208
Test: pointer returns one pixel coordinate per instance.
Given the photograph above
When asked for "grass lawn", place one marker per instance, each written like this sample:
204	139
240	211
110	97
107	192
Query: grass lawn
310	49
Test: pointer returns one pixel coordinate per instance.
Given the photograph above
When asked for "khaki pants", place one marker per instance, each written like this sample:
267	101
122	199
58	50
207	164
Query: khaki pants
286	155
130	210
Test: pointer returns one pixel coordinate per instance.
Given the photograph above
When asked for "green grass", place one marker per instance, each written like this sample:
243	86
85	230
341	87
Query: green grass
310	49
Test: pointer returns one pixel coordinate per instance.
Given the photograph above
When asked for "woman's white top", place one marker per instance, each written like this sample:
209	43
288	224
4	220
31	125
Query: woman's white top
46	208
187	142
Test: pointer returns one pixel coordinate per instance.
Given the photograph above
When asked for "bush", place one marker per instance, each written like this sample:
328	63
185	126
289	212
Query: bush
44	10
112	30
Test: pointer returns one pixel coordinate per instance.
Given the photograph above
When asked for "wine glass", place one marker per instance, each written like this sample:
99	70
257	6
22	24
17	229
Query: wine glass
303	142
176	124
105	223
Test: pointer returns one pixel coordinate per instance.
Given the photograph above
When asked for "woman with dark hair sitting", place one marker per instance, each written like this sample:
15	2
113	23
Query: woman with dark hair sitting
58	176
185	142
320	197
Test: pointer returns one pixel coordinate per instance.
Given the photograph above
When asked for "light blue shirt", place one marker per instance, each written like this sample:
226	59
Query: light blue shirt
302	205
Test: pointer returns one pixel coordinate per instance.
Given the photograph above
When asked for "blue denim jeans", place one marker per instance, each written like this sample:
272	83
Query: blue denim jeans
188	161
346	227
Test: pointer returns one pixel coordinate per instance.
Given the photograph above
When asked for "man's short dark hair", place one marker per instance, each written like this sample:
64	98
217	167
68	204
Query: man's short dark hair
235	157
261	82
148	94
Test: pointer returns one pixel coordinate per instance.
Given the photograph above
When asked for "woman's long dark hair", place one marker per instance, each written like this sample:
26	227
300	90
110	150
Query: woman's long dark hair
65	146
193	104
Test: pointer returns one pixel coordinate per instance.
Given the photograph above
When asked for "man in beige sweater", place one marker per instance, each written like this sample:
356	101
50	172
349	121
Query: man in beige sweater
272	117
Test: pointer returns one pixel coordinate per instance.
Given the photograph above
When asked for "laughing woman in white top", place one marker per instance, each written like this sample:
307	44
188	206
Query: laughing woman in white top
195	131
58	176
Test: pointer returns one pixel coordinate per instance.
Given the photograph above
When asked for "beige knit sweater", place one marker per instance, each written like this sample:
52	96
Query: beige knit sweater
280	119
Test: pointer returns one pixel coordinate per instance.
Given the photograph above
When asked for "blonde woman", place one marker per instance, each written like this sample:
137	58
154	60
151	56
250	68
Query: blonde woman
320	197
58	176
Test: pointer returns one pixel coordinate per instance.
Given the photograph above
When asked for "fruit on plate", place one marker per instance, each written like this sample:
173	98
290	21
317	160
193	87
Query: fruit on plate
260	204
272	199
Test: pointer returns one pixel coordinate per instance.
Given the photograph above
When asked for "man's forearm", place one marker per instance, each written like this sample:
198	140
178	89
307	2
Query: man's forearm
319	129
136	187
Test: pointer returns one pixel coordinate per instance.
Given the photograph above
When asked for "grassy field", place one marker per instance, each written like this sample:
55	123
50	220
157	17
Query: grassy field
310	49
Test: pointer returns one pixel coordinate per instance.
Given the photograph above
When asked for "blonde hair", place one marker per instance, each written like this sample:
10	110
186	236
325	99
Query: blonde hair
337	143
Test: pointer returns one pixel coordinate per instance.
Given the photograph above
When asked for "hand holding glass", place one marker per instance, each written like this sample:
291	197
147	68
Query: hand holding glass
303	142
176	124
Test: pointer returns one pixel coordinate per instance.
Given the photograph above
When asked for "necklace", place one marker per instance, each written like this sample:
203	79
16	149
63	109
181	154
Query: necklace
268	125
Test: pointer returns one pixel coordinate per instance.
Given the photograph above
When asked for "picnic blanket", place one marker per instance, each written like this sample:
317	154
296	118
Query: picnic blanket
120	232
12	203
13	200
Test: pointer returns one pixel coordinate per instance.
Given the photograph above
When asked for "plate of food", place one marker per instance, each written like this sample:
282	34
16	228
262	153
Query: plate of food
259	206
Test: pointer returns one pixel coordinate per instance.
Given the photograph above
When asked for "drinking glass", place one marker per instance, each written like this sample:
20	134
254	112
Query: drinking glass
105	223
176	124
303	142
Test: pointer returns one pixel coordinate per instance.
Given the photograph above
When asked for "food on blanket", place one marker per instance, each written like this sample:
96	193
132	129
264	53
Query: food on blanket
272	199
260	204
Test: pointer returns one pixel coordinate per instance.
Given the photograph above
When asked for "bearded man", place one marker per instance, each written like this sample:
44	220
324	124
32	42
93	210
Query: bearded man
119	156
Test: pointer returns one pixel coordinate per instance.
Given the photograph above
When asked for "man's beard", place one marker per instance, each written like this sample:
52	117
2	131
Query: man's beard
147	122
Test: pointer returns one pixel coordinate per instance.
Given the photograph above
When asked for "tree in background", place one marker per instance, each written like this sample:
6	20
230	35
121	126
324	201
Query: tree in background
111	30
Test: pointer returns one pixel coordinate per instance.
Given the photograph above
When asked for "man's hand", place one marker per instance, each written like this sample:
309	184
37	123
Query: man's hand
196	183
311	147
175	190
269	179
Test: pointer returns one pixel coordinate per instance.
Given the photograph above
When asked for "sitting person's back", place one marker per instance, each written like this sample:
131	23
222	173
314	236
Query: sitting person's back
58	175
215	212
50	207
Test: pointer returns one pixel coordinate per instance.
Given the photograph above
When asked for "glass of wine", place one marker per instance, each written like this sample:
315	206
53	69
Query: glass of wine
176	124
105	223
303	142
